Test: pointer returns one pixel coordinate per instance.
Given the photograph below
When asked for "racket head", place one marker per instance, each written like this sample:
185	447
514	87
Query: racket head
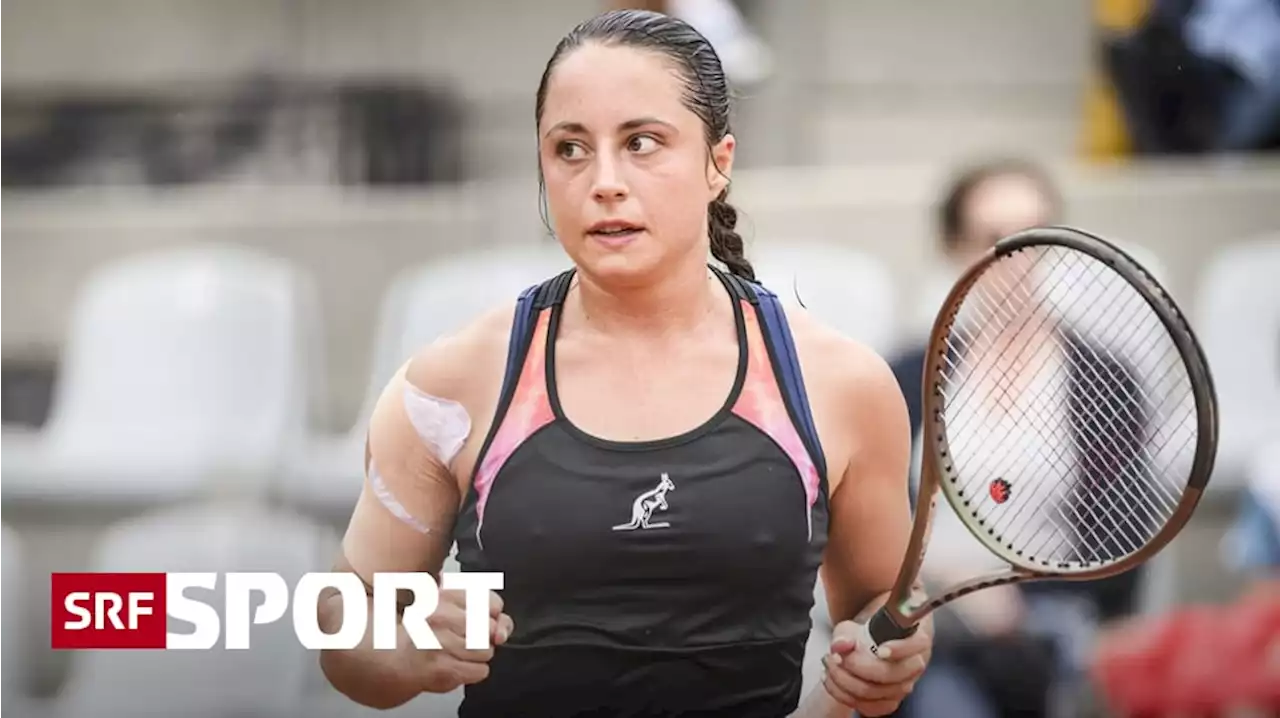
1089	299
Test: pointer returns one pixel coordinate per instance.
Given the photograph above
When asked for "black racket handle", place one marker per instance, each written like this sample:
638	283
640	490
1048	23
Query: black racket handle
881	629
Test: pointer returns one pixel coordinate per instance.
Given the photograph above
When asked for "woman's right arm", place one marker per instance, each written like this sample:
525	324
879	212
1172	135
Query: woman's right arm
403	521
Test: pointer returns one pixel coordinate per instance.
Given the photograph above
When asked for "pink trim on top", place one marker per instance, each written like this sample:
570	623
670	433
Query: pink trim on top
762	405
529	410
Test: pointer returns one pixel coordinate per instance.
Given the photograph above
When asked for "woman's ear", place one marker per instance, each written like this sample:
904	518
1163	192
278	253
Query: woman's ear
720	168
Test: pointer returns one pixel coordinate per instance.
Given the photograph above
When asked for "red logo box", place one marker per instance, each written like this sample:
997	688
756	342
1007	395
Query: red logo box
108	610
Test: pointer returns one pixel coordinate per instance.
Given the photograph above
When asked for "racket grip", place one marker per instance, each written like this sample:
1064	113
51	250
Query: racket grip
881	629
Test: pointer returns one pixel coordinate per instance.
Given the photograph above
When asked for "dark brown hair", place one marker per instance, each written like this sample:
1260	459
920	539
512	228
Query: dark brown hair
953	211
706	94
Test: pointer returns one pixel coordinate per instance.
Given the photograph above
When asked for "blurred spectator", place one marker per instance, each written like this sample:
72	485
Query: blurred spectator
1201	76
1253	543
979	642
1202	661
1041	631
983	203
746	58
1243	638
1243	35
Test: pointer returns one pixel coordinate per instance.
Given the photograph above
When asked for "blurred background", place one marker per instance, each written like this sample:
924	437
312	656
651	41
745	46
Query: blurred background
228	221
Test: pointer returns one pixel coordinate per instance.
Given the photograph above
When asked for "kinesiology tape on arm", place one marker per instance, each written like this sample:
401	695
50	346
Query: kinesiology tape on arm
404	518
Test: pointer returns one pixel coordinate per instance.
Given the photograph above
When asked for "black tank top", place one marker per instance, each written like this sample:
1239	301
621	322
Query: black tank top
672	577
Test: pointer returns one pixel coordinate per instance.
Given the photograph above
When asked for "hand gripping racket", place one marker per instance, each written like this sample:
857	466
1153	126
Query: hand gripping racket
1070	420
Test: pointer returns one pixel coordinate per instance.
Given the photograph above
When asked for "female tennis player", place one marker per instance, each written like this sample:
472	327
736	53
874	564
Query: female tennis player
634	446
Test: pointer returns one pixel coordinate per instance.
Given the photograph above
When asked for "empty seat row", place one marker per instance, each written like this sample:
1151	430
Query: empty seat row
201	381
198	371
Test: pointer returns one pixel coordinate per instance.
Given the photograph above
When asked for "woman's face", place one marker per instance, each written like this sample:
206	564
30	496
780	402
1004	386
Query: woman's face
998	207
627	173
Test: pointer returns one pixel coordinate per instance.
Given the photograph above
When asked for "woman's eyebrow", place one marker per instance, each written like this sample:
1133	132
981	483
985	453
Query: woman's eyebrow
578	127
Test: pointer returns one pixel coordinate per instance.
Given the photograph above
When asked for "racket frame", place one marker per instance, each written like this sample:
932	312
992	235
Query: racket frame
907	604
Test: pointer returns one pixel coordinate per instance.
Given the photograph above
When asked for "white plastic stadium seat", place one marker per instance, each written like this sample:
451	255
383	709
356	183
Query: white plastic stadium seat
271	678
444	296
1237	317
183	368
14	618
848	289
422	305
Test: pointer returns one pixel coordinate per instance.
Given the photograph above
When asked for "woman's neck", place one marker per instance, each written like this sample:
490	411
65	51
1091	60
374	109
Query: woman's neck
678	303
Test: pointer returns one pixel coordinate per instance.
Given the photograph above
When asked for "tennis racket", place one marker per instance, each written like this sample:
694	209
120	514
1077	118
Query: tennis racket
1070	420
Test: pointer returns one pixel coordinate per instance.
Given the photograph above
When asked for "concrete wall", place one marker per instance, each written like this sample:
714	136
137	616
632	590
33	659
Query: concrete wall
856	80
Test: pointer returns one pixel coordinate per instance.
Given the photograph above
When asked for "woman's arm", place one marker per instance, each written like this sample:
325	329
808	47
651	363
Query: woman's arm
866	420
404	517
870	501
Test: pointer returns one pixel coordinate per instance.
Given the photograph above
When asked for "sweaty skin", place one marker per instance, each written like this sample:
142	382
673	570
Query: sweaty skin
859	412
465	368
427	483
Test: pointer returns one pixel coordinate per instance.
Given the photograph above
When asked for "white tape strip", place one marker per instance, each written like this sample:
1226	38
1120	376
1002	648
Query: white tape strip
389	501
443	424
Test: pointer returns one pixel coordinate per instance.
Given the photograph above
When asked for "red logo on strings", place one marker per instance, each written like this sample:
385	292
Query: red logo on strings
1000	491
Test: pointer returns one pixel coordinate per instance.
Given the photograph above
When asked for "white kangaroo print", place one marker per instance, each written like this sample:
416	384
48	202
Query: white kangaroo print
645	504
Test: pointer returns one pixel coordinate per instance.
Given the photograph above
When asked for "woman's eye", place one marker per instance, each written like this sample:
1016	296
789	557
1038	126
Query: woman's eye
569	150
642	144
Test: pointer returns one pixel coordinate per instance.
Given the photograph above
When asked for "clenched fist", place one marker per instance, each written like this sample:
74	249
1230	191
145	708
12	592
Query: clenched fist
454	665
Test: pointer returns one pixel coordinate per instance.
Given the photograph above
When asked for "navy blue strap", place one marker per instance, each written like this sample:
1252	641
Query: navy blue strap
778	335
531	301
521	332
527	308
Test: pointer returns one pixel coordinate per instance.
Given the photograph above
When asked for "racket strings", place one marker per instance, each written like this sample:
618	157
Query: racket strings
1059	429
1169	492
1123	402
1059	379
1110	426
1066	513
1091	537
1124	406
1170	383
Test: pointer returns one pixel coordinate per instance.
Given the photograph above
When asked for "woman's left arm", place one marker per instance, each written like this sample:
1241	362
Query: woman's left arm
870	526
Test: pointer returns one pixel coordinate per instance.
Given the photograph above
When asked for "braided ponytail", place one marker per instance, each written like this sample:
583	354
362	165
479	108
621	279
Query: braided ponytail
726	243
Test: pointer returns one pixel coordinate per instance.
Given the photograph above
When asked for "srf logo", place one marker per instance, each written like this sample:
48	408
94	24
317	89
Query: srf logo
106	610
131	610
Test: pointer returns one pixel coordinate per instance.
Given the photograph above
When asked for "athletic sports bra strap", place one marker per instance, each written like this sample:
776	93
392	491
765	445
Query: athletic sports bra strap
786	361
773	322
554	290
521	333
531	301
737	285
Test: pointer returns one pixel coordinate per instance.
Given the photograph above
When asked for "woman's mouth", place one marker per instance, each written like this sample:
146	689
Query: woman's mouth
615	233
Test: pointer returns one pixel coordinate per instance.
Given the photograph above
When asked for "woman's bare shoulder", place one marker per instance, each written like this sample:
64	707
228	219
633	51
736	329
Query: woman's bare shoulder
838	360
467	364
858	405
853	381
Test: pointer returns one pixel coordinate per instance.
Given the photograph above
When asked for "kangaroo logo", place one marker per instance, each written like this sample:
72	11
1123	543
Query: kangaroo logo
645	504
